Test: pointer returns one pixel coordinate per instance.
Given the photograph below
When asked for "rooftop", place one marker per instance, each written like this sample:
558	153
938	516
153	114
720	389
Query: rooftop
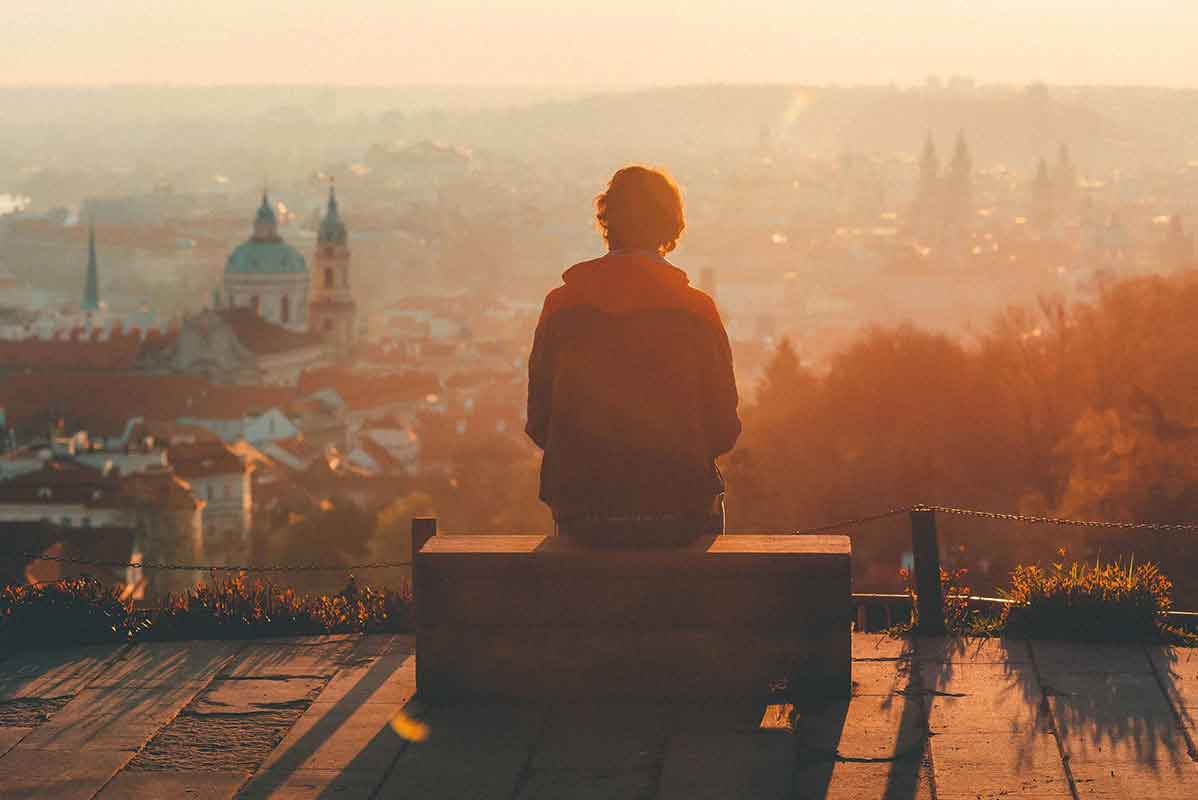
313	717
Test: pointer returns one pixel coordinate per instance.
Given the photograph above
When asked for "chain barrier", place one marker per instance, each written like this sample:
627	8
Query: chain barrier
849	523
1026	519
853	523
215	567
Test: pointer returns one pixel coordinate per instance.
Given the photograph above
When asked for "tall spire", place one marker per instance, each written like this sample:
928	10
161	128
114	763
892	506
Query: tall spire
91	288
266	224
332	228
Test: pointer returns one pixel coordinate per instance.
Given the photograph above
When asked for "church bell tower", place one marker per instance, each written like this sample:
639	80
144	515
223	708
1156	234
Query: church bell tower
333	313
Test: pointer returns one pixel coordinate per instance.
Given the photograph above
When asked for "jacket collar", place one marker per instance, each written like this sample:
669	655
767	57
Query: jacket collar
627	263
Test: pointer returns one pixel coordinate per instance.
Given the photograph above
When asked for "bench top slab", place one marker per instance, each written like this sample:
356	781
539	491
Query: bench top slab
550	546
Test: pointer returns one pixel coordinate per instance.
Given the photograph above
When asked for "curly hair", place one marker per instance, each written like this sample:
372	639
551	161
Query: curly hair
640	208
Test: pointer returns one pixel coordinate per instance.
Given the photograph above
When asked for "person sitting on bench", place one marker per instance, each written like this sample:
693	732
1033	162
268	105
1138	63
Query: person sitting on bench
631	392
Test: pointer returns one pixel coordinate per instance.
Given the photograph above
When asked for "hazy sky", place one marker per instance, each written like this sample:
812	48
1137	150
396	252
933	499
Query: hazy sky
596	42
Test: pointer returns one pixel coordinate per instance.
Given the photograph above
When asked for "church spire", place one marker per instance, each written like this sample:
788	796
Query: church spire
91	288
266	224
332	228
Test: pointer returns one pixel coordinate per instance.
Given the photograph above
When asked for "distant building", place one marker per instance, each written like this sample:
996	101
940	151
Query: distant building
266	274
221	480
91	286
235	345
333	312
76	511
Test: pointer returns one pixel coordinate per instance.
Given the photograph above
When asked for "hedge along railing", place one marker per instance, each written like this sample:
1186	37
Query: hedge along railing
929	597
925	548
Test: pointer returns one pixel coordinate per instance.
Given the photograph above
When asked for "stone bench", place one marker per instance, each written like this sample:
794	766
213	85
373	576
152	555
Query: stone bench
533	618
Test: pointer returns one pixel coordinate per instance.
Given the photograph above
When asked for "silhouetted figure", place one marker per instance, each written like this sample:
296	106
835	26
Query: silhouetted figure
631	392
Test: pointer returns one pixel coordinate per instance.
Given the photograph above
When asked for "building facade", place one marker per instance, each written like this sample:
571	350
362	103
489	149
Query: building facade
266	274
334	312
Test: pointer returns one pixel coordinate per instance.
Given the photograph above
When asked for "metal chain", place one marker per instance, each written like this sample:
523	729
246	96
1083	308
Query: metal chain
1026	519
215	567
850	523
1079	523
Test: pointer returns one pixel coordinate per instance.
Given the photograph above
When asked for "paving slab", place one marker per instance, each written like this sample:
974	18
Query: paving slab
340	735
983	698
291	658
9	736
228	696
879	646
733	716
971	766
1122	780
166	664
844	780
1177	670
113	719
380	644
865	727
130	785
476	752
63	775
1114	717
389	678
1057	656
54	673
616	736
880	677
311	784
728	766
972	650
589	784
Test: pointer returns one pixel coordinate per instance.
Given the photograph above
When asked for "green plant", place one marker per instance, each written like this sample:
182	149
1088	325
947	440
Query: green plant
1102	602
78	611
959	618
84	610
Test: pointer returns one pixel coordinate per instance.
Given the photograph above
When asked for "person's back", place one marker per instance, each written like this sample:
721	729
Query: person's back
631	389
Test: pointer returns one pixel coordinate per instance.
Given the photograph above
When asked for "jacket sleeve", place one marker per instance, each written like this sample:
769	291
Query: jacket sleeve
540	379
720	400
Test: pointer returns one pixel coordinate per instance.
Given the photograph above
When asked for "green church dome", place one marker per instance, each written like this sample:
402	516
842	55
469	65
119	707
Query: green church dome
265	252
256	256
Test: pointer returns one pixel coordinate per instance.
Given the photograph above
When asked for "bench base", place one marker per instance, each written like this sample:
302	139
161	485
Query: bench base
531	618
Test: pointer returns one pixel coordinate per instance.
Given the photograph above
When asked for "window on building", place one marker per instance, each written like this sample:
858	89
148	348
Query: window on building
329	279
285	309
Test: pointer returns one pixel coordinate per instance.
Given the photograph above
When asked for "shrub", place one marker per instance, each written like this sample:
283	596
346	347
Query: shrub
239	608
76	611
1103	602
83	610
959	618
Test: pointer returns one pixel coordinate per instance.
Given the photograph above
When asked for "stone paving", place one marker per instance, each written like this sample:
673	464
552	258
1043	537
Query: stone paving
310	717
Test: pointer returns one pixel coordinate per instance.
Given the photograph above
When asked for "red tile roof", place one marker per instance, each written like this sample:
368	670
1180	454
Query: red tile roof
265	338
102	404
361	391
203	460
118	352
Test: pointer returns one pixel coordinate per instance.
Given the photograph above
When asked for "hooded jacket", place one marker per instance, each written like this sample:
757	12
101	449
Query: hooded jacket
631	391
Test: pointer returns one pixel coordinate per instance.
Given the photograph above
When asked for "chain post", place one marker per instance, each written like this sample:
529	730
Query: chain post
926	549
